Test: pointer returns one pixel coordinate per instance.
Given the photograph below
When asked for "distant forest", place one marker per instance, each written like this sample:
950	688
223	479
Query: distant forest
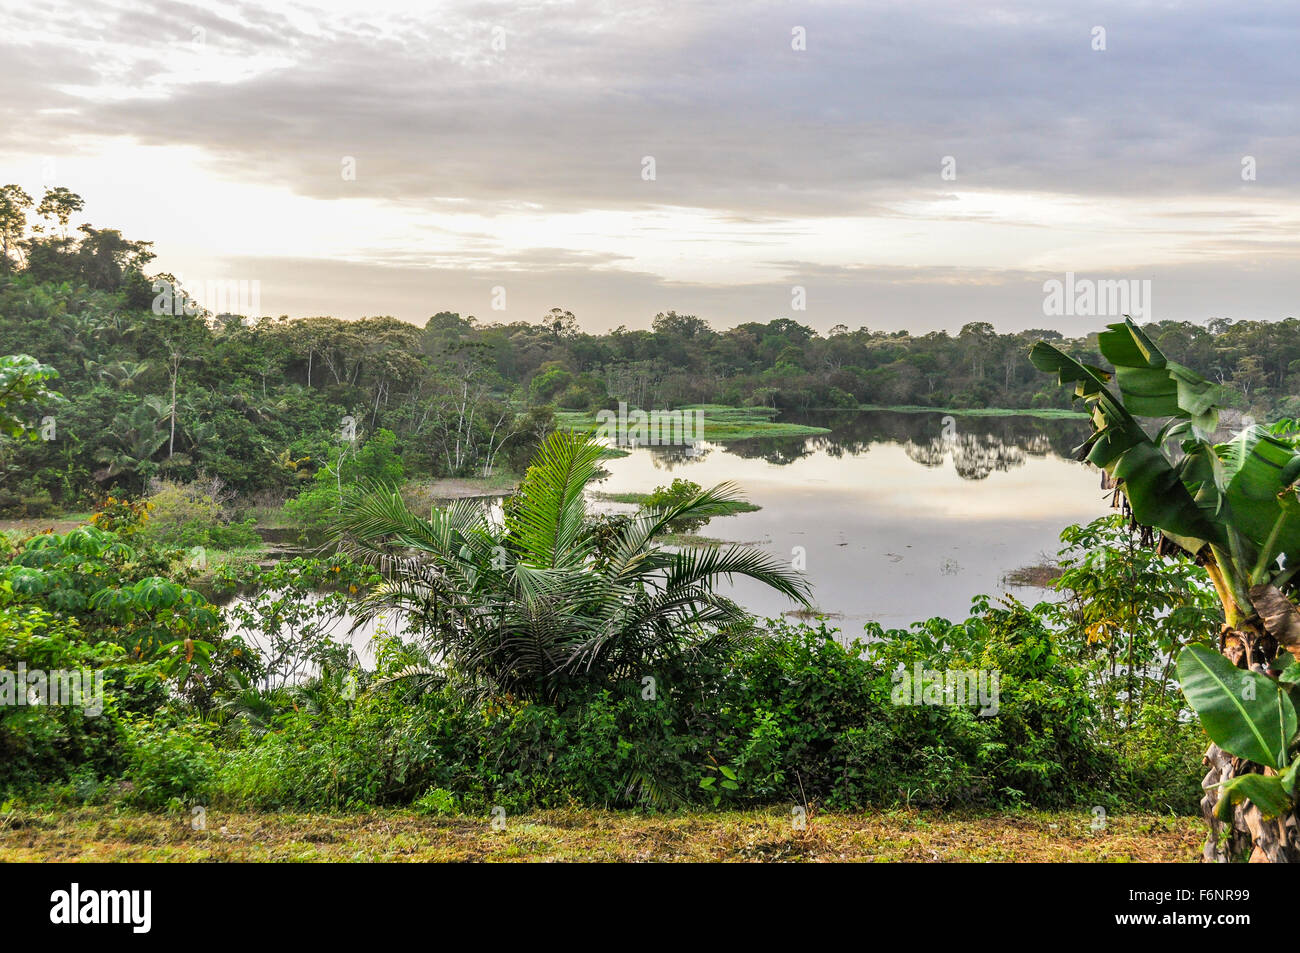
258	402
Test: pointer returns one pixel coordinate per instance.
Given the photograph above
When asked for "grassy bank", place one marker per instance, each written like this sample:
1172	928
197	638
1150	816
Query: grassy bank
106	834
719	423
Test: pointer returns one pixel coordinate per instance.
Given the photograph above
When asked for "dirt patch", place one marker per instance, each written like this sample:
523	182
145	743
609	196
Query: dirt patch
32	525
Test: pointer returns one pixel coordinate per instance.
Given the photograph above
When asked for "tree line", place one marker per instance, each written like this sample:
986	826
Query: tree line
262	403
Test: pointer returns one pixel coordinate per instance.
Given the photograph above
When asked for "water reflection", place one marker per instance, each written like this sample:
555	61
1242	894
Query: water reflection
977	446
898	516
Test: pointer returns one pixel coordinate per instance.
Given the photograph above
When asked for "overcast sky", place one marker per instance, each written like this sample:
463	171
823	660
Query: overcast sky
505	146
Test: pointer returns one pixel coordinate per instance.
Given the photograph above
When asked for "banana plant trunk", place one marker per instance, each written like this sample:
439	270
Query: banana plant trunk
1248	835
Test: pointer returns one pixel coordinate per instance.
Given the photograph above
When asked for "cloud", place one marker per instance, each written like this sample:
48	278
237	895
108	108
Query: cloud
737	121
525	116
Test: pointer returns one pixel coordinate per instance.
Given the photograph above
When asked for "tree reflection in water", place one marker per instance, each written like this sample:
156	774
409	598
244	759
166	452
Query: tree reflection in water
977	446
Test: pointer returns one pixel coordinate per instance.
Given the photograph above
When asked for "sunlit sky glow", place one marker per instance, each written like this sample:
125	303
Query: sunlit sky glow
219	132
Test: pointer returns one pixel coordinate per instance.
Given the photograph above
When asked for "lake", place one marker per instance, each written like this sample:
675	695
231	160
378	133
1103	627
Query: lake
900	516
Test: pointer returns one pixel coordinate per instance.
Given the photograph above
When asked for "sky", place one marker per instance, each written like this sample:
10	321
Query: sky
914	165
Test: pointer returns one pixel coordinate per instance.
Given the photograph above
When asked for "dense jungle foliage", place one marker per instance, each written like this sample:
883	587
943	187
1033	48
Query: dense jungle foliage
266	706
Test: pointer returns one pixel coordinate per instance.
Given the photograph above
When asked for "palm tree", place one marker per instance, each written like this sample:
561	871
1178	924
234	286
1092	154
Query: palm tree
125	374
136	437
1233	507
539	599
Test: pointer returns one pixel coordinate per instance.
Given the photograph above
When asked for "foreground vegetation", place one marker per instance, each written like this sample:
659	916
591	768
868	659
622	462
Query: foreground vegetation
581	834
553	657
265	707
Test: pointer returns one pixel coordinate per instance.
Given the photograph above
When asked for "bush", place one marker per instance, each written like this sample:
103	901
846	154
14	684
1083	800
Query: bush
377	462
1043	745
792	716
26	501
188	515
786	714
835	397
437	801
53	743
314	509
675	494
169	765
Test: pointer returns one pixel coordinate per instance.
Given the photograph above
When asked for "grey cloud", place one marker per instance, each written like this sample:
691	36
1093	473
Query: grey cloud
737	121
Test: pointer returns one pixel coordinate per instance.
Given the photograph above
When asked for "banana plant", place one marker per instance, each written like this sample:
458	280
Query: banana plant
1232	507
1252	716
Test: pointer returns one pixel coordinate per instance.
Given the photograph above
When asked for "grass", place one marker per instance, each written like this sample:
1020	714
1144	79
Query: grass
639	499
421	494
110	834
686	540
679	539
1045	413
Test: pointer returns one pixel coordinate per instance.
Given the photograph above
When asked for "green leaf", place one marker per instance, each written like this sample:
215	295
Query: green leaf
1153	386
1266	792
1154	486
1285	663
1236	496
1289	778
1256	728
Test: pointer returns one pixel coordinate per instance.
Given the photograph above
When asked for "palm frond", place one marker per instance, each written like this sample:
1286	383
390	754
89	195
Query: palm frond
548	519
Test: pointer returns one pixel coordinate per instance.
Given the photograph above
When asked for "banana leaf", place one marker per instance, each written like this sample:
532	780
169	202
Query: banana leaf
1154	386
1118	445
1244	713
1266	792
1237	496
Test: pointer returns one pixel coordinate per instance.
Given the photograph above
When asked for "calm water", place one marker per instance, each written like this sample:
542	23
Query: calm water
900	517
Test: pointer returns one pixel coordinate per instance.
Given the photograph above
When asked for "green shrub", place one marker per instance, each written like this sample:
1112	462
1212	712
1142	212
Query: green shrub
44	743
187	515
314	509
170	765
437	801
791	717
